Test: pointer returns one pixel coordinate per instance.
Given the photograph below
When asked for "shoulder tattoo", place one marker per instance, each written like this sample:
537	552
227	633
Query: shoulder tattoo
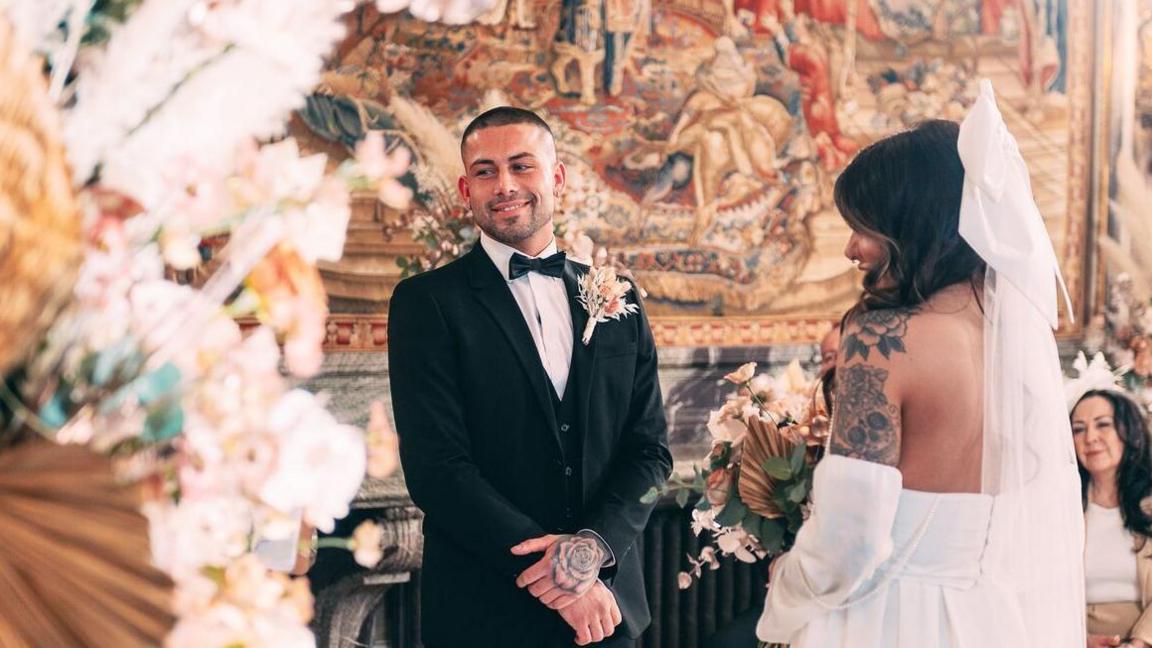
882	330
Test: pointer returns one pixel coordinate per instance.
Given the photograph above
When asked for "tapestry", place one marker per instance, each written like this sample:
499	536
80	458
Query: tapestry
702	138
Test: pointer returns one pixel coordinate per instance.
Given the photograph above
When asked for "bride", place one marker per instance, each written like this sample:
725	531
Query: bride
946	512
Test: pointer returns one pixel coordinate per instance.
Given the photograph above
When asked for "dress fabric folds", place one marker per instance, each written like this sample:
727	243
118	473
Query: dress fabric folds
879	565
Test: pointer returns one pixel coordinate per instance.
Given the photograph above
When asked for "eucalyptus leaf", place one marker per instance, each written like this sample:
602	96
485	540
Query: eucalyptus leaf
163	424
796	461
751	523
799	491
795	520
778	468
772	535
734	511
157	384
682	498
651	496
54	413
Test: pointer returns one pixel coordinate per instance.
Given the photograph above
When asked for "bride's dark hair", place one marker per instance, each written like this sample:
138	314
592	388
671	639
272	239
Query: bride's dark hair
905	191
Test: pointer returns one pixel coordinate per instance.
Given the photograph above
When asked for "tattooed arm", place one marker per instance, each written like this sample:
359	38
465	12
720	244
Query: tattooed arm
866	423
849	533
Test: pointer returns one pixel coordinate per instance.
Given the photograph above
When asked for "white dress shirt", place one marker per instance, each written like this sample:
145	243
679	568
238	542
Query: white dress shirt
544	303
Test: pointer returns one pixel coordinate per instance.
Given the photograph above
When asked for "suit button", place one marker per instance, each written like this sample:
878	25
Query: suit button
567	471
564	427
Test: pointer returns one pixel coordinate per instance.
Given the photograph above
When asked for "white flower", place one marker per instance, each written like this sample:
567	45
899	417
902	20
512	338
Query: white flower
726	429
684	580
198	532
703	520
391	6
383	169
580	247
318	231
321	462
743	374
736	541
762	384
365	544
452	12
224	97
254	607
708	557
36	21
277	172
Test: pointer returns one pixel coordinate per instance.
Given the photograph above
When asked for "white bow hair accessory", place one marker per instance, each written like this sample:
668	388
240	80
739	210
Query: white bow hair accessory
1092	376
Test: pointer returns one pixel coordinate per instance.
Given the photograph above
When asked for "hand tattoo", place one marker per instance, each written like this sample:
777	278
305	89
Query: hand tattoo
883	330
866	425
576	563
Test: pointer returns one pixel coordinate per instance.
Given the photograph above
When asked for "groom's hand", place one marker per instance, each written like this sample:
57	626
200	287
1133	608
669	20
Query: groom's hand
567	570
593	616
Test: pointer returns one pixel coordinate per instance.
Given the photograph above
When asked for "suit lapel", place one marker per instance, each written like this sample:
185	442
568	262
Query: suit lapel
583	355
494	295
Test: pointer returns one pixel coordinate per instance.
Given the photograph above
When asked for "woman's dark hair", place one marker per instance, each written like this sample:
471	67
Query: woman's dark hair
1134	476
905	191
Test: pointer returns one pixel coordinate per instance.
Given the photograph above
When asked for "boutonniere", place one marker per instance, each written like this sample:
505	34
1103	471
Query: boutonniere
602	296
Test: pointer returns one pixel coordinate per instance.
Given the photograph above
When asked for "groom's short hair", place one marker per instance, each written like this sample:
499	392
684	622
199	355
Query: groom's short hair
504	116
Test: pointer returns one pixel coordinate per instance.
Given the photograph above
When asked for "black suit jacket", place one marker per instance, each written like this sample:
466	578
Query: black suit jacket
482	456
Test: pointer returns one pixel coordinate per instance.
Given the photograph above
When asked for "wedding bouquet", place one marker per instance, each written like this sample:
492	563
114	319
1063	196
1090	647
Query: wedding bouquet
755	484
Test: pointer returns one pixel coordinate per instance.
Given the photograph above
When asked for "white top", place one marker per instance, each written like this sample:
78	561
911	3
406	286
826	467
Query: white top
544	304
1109	561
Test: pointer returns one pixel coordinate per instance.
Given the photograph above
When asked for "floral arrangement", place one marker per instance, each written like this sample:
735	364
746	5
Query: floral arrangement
755	485
172	114
1124	335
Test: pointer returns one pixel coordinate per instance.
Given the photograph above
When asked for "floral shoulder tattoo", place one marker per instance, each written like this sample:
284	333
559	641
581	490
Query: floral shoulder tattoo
882	330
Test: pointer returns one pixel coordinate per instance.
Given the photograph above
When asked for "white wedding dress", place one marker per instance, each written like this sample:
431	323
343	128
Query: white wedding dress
879	566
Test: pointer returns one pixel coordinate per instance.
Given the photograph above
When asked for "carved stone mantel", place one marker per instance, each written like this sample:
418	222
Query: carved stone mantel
344	607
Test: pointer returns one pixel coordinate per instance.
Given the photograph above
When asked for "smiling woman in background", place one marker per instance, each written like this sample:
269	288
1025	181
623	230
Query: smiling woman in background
1112	448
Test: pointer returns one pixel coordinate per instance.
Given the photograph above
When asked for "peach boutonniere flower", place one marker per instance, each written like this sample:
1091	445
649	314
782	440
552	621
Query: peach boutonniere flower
602	294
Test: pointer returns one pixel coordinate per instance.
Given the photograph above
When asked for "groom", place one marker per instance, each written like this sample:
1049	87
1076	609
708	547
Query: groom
527	449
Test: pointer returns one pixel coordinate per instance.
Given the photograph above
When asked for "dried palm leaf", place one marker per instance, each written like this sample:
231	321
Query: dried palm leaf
75	569
39	223
763	441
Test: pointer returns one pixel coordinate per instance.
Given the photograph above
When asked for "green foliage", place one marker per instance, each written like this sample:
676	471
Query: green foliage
734	511
778	468
651	496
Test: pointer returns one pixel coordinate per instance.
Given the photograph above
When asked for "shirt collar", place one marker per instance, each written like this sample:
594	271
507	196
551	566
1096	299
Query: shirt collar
501	254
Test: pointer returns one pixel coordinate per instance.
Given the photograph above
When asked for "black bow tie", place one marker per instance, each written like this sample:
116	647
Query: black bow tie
520	265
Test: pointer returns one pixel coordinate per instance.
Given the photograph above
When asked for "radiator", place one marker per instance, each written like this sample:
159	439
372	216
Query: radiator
686	618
